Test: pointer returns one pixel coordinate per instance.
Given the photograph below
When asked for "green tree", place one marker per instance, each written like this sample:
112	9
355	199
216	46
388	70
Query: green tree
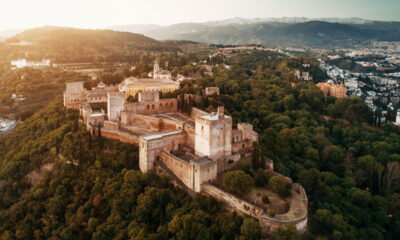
279	186
237	182
250	230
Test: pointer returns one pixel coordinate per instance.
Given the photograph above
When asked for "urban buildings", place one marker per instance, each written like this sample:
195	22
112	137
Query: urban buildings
331	89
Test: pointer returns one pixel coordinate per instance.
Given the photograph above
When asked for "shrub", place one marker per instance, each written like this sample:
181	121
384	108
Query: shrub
237	182
279	186
262	177
265	199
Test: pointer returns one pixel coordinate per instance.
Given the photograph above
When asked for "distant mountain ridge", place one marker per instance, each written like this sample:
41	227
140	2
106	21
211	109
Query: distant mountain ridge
305	31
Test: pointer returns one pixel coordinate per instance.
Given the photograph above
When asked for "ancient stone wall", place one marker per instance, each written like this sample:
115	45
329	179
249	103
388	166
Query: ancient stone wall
195	113
190	135
96	98
169	125
247	131
120	135
169	105
232	201
141	121
180	168
151	146
205	173
111	125
242	146
268	224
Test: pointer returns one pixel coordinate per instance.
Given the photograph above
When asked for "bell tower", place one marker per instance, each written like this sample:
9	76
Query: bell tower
156	67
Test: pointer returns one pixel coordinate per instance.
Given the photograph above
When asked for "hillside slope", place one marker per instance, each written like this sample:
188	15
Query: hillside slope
79	45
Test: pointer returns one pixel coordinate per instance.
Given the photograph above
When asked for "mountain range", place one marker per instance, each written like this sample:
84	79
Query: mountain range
303	31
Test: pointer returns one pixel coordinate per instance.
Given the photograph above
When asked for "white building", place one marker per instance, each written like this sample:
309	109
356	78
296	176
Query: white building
21	63
7	125
159	73
351	83
398	118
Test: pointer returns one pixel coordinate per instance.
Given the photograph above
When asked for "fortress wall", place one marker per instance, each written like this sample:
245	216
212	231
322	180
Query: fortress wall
190	135
180	168
169	124
195	113
267	224
149	150
167	105
236	136
205	173
232	201
141	121
98	99
111	125
121	136
242	146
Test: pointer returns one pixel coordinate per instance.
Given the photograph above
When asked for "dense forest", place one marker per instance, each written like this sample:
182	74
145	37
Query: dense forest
94	191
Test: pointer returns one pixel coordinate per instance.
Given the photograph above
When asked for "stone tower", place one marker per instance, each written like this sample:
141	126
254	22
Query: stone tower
156	67
74	95
213	137
115	104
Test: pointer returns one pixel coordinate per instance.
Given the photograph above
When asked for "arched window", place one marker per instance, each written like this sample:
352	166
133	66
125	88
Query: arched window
148	107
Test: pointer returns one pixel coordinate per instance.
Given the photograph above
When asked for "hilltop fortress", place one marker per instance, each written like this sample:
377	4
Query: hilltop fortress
193	150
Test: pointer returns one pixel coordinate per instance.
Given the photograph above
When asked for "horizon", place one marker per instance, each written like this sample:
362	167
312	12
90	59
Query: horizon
127	12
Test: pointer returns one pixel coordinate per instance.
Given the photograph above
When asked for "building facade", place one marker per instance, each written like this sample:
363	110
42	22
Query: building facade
331	89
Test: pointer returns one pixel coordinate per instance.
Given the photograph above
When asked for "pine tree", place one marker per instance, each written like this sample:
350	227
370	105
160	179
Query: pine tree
255	158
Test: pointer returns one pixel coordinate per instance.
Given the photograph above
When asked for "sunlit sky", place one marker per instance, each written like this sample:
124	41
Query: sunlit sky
103	13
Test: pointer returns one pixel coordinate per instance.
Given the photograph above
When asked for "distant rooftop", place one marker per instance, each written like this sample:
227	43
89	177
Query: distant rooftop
147	81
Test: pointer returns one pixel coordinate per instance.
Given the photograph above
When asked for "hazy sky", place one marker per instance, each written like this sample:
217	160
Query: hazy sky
103	13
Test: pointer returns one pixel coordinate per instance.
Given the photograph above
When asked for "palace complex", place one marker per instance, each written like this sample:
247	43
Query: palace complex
192	149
